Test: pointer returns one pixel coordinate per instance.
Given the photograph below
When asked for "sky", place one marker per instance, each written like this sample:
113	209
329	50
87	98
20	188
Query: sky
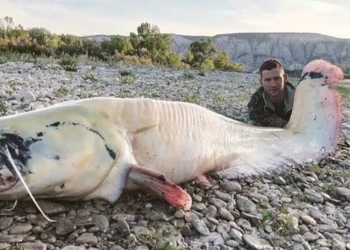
185	17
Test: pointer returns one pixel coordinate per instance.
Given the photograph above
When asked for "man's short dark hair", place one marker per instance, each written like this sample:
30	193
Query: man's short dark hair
270	64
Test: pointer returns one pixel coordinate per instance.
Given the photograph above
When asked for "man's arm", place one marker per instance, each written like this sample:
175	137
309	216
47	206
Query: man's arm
261	116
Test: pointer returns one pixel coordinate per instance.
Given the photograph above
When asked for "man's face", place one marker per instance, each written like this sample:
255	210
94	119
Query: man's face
273	81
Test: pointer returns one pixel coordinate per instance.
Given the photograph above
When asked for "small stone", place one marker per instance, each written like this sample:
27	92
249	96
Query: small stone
186	231
11	238
200	226
213	220
64	226
72	247
245	205
198	206
232	243
191	216
140	230
197	198
142	248
245	224
308	220
280	181
4	246
21	228
223	196
217	202
310	237
37	229
126	217
328	228
33	246
225	214
94	229
223	227
83	213
306	245
254	219
43	236
313	196
148	206
5	223
101	221
123	227
338	244
323	242
210	211
51	208
254	243
231	186
236	235
303	229
343	192
179	214
259	197
51	239
298	247
297	238
87	238
286	199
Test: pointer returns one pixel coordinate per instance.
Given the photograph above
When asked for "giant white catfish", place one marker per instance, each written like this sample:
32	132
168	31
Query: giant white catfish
95	148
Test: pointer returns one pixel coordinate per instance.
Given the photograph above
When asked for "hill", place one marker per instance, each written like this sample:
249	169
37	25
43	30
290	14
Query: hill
250	49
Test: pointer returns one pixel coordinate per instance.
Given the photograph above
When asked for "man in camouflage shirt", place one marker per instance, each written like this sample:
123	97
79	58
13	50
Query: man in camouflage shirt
271	105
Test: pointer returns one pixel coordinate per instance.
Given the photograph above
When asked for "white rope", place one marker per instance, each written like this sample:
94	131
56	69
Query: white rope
7	152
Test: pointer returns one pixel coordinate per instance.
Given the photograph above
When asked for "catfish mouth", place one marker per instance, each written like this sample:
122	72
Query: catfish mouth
7	157
7	182
8	176
19	151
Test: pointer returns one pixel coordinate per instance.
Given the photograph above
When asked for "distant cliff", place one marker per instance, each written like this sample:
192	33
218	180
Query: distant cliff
293	49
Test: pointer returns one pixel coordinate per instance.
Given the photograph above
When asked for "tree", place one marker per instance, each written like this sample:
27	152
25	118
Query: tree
71	45
6	25
222	60
18	34
40	36
199	52
117	44
149	43
93	49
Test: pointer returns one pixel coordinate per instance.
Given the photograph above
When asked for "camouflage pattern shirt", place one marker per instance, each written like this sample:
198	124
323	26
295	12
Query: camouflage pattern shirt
263	112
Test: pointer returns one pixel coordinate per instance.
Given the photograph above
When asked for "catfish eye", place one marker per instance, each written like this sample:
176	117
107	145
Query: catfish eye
311	75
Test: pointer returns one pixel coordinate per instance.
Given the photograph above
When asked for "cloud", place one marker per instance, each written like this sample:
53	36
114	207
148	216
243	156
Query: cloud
195	17
326	17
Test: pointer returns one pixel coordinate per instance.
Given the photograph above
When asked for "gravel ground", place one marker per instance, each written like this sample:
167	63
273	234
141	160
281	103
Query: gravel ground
303	209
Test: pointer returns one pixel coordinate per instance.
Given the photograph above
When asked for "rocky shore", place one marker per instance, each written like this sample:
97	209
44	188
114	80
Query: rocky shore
303	209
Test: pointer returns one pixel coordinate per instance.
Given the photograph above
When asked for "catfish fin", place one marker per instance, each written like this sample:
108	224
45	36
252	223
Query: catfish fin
113	186
269	162
204	180
159	184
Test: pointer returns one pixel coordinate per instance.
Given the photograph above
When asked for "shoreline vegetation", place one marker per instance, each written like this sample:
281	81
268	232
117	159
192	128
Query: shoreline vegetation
147	46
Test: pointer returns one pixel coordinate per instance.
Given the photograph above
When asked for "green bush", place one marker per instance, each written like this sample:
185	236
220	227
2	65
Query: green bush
68	63
208	63
147	46
237	67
